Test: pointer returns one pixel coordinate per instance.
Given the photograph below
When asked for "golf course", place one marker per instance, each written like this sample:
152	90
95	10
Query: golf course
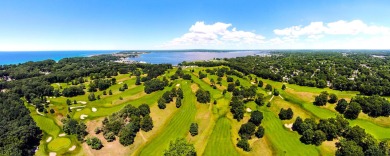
217	128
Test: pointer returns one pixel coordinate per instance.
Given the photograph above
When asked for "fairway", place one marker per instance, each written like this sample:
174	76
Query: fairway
220	142
59	144
47	125
178	126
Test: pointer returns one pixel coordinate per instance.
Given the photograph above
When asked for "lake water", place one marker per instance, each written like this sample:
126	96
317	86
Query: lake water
154	57
176	57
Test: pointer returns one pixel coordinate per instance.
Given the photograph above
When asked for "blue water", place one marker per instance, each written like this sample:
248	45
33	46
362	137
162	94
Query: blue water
25	56
154	57
175	57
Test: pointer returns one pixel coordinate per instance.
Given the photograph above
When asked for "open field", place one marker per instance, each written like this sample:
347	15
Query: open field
218	131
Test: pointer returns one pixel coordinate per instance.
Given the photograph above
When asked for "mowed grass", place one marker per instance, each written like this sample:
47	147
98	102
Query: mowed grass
59	144
177	127
47	125
220	141
284	141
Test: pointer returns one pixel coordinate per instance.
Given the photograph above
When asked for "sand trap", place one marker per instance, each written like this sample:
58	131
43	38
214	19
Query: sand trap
281	97
253	83
72	148
82	102
49	139
248	110
62	134
50	97
289	126
94	109
83	116
178	85
40	112
120	82
52	154
78	109
48	101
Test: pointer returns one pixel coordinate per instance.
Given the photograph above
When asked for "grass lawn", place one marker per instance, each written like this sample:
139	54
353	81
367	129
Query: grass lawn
59	144
177	127
220	141
47	125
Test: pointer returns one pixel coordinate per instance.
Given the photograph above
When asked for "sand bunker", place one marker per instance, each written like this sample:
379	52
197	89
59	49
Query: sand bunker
62	134
72	148
83	116
248	110
178	85
82	102
52	154
120	82
40	112
289	126
78	109
94	109
49	139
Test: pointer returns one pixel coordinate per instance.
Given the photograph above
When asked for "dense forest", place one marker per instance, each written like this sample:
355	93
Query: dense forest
365	72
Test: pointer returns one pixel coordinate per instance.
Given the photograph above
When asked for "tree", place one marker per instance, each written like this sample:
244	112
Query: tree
348	148
260	84
161	103
127	134
307	137
237	108
202	96
260	132
179	93
297	125
341	106
352	111
95	143
146	123
237	82
283	87
321	99
180	147
243	143
276	92
321	84
260	99
178	102
91	97
212	81
138	80
144	109
231	87
109	136
154	85
268	87
319	137
68	102
194	129
110	92
229	79
332	98
74	102
187	77
256	117
286	114
247	130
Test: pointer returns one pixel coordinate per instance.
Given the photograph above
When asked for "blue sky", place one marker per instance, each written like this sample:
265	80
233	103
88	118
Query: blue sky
182	24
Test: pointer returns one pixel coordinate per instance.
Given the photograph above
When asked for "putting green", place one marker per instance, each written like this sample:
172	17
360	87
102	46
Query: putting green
59	144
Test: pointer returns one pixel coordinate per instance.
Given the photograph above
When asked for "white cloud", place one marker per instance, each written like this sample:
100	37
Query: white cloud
201	34
318	29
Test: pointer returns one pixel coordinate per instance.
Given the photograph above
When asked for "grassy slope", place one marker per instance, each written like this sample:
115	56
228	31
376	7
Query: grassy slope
178	126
